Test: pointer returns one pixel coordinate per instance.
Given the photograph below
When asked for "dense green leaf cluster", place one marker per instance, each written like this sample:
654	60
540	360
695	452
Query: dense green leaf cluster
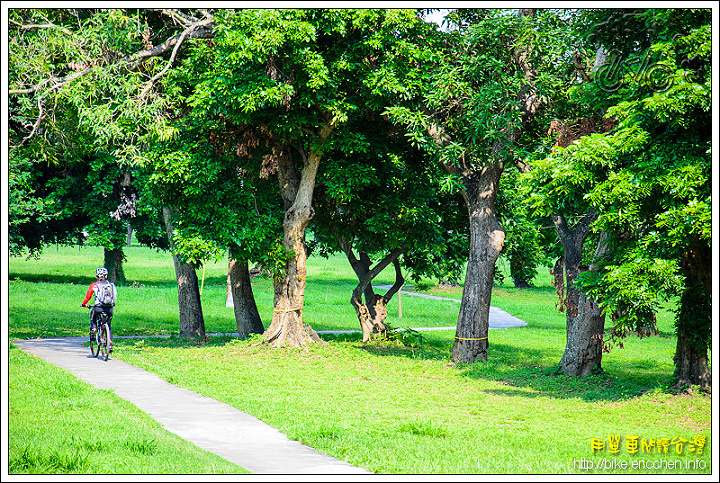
649	177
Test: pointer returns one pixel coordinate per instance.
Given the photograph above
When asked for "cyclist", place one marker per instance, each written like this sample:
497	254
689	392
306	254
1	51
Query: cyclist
105	296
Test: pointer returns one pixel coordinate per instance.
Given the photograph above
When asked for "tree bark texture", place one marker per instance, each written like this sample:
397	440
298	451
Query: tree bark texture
693	321
691	363
486	241
584	344
247	317
113	260
296	188
372	312
192	323
287	327
559	282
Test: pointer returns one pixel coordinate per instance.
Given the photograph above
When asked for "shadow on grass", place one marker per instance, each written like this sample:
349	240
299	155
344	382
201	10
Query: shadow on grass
47	278
43	322
513	369
521	371
531	372
526	373
84	280
87	280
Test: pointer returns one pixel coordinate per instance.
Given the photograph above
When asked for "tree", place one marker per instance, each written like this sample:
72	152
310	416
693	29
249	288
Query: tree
93	70
657	203
475	117
240	219
559	184
645	177
293	77
297	79
382	201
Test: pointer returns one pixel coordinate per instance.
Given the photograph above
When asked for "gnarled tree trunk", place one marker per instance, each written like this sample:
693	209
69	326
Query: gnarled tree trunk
372	313
572	241
296	188
584	344
192	323
287	327
247	317
486	241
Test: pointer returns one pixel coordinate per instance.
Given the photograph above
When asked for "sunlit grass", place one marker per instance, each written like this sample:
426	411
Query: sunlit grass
60	425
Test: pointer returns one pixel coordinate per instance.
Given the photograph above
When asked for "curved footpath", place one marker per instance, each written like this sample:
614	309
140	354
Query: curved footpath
211	425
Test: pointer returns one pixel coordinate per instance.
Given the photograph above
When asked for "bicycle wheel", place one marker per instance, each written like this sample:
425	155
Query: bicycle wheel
105	351
95	344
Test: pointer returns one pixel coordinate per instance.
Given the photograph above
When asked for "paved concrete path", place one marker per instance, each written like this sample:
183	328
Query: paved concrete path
211	425
499	319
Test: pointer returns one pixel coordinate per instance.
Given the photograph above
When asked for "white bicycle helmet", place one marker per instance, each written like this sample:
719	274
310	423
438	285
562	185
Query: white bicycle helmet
101	273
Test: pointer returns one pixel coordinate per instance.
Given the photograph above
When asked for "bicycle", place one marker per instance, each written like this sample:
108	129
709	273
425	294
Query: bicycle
100	337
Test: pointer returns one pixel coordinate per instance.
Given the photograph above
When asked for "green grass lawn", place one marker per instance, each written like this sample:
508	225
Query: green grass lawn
384	406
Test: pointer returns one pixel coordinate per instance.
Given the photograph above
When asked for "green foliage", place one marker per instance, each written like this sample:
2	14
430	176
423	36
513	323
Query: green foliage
76	113
385	197
25	206
405	336
196	137
649	177
525	243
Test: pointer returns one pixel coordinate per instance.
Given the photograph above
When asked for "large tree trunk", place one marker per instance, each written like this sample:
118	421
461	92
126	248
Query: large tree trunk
486	241
691	361
372	313
584	344
192	323
693	321
287	327
296	188
580	347
113	261
247	317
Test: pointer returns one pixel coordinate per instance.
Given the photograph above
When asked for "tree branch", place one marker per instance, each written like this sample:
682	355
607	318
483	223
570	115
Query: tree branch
581	228
37	123
399	280
183	35
40	26
179	16
347	248
561	225
376	270
521	165
202	29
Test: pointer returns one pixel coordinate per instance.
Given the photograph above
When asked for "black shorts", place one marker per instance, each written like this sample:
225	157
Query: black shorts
97	310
